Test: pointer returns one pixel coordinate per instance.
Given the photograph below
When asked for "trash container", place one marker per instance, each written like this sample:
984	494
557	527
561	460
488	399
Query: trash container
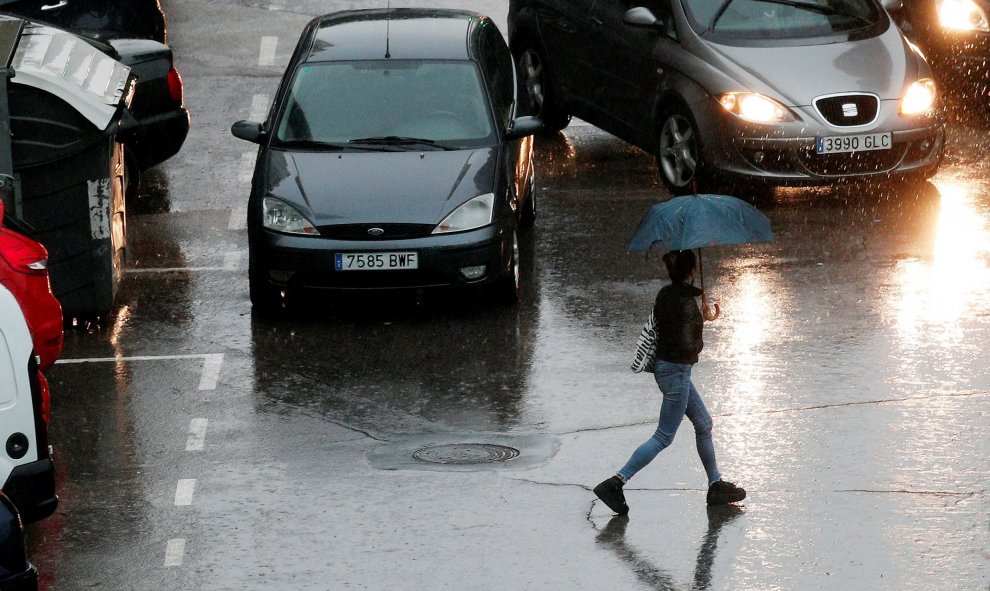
65	100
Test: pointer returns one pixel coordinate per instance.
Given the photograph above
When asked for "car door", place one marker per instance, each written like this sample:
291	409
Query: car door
563	27
626	75
499	73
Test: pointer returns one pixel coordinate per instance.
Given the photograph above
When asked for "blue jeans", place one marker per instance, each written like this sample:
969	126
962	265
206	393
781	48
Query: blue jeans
680	398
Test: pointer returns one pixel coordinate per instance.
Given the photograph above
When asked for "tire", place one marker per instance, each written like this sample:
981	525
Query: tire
539	88
678	152
506	289
266	299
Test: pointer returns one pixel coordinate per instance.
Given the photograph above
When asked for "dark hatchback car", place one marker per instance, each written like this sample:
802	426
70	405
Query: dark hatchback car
955	37
392	158
133	32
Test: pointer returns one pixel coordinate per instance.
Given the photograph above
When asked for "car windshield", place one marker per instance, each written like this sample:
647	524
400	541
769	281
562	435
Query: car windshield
781	19
388	105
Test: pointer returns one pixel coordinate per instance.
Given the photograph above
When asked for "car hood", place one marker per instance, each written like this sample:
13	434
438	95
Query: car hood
380	187
882	65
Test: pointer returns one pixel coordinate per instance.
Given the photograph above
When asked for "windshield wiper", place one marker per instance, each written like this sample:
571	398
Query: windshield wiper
819	8
398	140
330	146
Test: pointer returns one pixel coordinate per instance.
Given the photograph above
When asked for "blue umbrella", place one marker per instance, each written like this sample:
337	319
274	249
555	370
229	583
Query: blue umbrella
694	221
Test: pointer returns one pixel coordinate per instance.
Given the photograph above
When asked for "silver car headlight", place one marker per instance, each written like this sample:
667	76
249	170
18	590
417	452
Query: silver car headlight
919	98
280	216
962	15
469	215
755	107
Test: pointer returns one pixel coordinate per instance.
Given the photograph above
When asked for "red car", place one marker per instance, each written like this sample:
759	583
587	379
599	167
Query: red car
24	271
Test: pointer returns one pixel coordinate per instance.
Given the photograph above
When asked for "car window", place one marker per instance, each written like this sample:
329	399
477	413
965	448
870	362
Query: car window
776	19
336	102
497	62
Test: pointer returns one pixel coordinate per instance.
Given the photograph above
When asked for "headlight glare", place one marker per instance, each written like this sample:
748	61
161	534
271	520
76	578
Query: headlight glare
962	15
755	107
280	216
919	98
469	215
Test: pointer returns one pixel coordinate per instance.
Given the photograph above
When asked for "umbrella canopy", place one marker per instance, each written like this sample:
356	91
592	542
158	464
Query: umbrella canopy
694	221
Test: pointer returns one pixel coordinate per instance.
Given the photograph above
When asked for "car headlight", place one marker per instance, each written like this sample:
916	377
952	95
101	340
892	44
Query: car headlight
469	215
280	216
919	98
962	15
755	107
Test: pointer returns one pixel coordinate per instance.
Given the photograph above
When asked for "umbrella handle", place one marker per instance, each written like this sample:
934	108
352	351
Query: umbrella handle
706	311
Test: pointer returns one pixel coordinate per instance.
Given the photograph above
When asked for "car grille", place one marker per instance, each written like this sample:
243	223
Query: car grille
848	110
368	232
855	163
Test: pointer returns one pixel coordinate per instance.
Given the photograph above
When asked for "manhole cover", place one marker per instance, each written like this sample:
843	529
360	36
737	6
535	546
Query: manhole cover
466	453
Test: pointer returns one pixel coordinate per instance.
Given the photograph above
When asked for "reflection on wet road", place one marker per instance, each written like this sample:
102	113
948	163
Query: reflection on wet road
847	378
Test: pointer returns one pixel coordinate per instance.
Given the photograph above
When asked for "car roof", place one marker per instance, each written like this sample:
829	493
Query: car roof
398	33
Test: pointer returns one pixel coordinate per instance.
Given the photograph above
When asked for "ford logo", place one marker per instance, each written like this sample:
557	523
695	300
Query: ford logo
375	231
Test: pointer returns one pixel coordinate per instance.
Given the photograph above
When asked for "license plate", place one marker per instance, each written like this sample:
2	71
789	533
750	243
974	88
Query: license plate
838	144
376	261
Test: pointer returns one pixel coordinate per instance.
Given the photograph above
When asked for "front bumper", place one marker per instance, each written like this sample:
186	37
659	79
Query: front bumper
786	155
297	262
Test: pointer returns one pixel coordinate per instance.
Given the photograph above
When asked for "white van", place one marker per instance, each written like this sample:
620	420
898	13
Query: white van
26	468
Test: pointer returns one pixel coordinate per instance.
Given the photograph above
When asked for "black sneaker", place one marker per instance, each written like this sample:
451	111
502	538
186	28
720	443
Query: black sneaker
610	492
723	493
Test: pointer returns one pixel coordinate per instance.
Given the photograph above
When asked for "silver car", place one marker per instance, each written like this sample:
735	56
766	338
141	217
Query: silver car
737	93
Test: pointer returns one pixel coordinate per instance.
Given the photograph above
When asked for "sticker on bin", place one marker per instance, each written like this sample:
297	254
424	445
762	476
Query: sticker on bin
376	261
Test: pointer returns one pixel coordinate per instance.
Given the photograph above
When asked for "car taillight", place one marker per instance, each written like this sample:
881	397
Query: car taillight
175	85
22	254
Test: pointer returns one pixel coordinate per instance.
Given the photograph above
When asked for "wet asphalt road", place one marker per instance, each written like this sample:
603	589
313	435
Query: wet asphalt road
201	448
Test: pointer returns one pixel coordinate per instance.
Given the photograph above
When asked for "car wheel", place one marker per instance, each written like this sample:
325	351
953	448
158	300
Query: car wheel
266	299
506	290
678	152
536	77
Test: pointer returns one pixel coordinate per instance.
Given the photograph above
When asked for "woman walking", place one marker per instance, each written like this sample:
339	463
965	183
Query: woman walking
678	324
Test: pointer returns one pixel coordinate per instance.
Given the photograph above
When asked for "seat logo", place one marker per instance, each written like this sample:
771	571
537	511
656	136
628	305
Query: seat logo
375	231
850	109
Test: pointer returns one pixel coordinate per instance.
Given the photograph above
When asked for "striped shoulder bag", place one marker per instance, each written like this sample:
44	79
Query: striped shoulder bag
646	347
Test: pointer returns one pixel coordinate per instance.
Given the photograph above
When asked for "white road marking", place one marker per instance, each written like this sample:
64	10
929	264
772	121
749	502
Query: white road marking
184	492
266	57
247	167
197	435
212	363
259	105
238	219
211	371
174	270
175	550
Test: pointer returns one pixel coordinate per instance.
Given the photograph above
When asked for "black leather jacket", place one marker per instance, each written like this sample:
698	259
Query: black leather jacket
679	323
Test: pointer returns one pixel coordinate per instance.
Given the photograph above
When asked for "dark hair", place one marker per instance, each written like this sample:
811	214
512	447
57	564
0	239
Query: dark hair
680	264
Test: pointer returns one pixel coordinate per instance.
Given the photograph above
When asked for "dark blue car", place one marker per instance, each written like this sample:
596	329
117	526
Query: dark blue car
393	157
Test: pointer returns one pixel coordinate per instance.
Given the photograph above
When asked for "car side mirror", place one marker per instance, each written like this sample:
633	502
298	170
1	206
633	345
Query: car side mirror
522	127
251	131
892	5
643	18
